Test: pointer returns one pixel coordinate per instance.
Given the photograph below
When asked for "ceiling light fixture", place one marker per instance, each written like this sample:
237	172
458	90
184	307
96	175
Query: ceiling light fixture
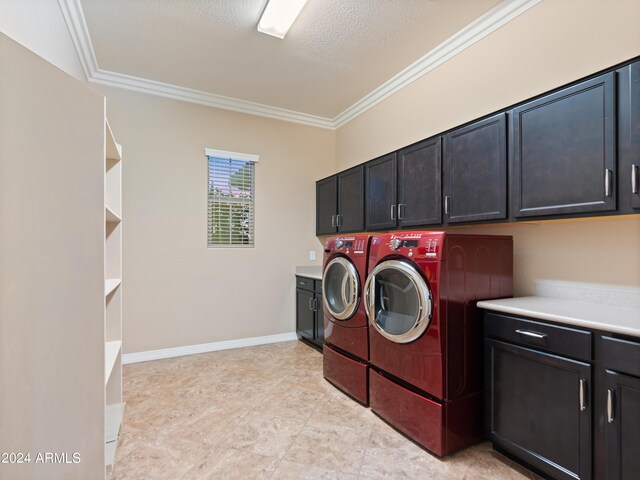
279	15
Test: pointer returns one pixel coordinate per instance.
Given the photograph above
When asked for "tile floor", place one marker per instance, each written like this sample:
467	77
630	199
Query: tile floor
267	413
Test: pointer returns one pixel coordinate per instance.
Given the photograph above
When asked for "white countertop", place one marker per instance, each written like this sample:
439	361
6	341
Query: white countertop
314	271
611	318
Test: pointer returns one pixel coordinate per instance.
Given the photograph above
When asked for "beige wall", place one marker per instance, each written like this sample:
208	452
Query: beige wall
556	42
40	26
177	291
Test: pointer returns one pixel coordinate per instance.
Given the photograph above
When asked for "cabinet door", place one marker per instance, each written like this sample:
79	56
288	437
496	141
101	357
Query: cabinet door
475	171
563	151
629	138
304	313
535	410
351	200
319	320
420	184
326	205
380	188
623	427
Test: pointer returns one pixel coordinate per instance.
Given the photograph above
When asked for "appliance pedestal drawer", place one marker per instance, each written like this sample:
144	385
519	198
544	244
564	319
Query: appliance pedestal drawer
347	374
442	428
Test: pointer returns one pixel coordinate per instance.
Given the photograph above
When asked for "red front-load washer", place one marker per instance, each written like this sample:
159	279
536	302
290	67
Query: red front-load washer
346	349
426	334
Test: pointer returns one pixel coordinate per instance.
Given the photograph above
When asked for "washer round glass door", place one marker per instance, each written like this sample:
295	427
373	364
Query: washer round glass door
340	288
398	301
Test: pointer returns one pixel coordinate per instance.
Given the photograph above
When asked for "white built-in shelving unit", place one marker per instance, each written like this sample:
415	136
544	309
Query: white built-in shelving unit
60	274
114	408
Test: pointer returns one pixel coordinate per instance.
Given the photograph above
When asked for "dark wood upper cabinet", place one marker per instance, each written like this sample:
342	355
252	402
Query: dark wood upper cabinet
475	171
326	205
380	201
420	184
629	138
563	151
351	200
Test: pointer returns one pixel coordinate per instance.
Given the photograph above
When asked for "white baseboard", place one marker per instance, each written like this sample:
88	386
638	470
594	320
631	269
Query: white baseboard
205	347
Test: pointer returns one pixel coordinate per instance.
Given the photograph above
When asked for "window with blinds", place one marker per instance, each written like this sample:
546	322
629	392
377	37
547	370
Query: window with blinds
231	188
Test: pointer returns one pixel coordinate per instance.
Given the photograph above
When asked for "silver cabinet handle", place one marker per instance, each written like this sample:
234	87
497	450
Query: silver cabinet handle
634	178
333	221
528	333
315	304
446	204
338	220
393	212
610	399
311	304
583	394
607	182
401	210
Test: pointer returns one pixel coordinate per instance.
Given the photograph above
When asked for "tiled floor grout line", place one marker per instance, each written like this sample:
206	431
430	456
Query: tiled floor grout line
364	452
288	448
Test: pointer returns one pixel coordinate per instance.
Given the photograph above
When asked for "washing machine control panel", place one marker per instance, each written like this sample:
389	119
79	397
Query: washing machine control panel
397	243
348	245
419	245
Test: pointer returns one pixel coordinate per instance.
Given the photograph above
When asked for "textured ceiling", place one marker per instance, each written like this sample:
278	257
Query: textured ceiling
336	52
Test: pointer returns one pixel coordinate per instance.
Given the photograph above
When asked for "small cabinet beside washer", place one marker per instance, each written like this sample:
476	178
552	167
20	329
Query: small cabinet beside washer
309	316
538	394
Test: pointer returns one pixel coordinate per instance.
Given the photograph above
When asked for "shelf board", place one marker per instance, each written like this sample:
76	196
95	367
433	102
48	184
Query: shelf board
111	350
110	284
113	422
111	216
114	150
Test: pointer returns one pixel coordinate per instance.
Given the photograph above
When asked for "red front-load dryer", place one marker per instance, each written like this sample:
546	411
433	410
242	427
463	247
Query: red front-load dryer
426	334
346	349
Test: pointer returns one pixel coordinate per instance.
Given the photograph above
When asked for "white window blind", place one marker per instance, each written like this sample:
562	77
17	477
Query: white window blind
231	189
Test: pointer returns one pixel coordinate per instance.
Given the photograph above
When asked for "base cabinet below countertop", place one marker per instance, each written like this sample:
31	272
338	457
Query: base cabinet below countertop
309	314
564	401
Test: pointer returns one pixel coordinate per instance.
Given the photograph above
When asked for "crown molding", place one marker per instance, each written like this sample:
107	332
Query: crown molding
77	26
130	82
486	24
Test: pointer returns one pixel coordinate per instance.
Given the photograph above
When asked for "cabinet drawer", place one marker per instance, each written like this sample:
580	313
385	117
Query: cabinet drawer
565	341
317	286
621	355
305	283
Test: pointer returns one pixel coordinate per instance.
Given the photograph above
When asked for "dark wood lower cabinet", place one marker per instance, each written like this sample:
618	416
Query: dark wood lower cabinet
563	400
305	314
623	427
536	411
621	406
309	315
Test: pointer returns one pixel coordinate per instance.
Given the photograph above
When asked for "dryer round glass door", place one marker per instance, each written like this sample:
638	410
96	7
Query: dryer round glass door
398	301
340	288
